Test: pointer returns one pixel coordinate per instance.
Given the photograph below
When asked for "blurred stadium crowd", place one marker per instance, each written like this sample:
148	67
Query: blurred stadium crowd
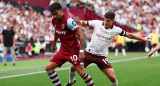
27	23
141	15
30	25
138	14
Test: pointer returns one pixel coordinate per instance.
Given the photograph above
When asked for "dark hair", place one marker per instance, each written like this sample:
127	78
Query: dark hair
55	6
110	15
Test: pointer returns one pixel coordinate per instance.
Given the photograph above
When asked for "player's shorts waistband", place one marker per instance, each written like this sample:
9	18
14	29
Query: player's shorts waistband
92	52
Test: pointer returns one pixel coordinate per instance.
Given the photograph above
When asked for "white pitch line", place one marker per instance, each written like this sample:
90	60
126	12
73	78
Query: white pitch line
31	73
115	61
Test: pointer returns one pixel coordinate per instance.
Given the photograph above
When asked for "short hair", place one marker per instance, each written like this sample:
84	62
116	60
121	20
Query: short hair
110	15
55	6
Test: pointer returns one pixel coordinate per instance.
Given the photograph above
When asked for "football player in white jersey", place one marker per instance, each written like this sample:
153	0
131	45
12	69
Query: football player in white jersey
97	50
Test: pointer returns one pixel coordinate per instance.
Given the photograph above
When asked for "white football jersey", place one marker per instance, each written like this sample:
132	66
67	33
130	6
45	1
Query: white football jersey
102	38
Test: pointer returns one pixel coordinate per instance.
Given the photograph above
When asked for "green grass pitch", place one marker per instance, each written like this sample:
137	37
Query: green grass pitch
131	70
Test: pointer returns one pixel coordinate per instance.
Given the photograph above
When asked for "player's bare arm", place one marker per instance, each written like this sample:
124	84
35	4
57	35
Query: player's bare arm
81	37
53	48
155	49
132	36
82	22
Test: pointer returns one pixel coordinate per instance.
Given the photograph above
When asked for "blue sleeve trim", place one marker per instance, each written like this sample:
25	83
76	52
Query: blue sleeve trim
71	24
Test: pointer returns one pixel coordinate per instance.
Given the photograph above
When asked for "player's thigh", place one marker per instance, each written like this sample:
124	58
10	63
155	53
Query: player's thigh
80	69
109	72
73	69
102	62
51	66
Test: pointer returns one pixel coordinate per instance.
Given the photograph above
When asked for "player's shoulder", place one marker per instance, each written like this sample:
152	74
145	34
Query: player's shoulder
116	28
53	20
71	21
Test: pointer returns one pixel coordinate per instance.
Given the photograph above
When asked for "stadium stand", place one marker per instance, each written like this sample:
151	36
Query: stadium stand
31	20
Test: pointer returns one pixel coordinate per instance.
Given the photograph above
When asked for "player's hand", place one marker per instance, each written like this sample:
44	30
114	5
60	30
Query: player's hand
53	49
150	54
78	22
147	39
81	56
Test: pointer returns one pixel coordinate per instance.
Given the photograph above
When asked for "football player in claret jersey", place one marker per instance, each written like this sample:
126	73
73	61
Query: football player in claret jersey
97	50
66	30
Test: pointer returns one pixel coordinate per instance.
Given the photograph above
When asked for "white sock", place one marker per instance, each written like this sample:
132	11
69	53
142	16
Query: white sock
114	83
116	52
124	52
156	53
71	76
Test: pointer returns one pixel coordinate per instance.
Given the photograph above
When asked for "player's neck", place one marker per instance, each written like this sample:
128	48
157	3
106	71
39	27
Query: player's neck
109	27
59	20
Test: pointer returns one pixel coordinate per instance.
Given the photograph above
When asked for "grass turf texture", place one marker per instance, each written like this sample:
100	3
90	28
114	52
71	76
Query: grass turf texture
140	72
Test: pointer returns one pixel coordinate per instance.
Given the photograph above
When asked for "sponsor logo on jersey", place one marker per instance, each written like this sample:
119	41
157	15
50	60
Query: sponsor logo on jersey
103	38
61	32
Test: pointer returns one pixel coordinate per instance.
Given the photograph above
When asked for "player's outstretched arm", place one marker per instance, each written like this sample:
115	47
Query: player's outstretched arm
132	36
53	48
81	37
82	22
155	49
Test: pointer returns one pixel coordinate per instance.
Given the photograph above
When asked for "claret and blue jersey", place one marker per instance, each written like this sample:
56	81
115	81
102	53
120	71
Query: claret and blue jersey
65	28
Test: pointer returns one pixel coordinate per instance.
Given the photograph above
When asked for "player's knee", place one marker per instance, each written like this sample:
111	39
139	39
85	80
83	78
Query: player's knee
48	68
113	78
80	70
73	69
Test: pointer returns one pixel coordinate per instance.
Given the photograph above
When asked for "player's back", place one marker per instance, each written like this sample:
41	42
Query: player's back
66	33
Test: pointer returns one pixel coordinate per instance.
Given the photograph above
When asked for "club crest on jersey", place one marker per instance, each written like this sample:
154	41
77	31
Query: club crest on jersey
63	26
74	23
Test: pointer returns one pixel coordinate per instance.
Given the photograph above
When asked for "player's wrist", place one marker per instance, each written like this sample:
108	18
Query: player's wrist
81	51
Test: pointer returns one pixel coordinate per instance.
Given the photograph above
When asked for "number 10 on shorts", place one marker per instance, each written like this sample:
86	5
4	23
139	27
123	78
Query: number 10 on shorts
74	58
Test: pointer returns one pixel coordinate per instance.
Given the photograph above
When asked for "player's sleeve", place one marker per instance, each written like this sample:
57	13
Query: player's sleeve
92	23
71	24
121	32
